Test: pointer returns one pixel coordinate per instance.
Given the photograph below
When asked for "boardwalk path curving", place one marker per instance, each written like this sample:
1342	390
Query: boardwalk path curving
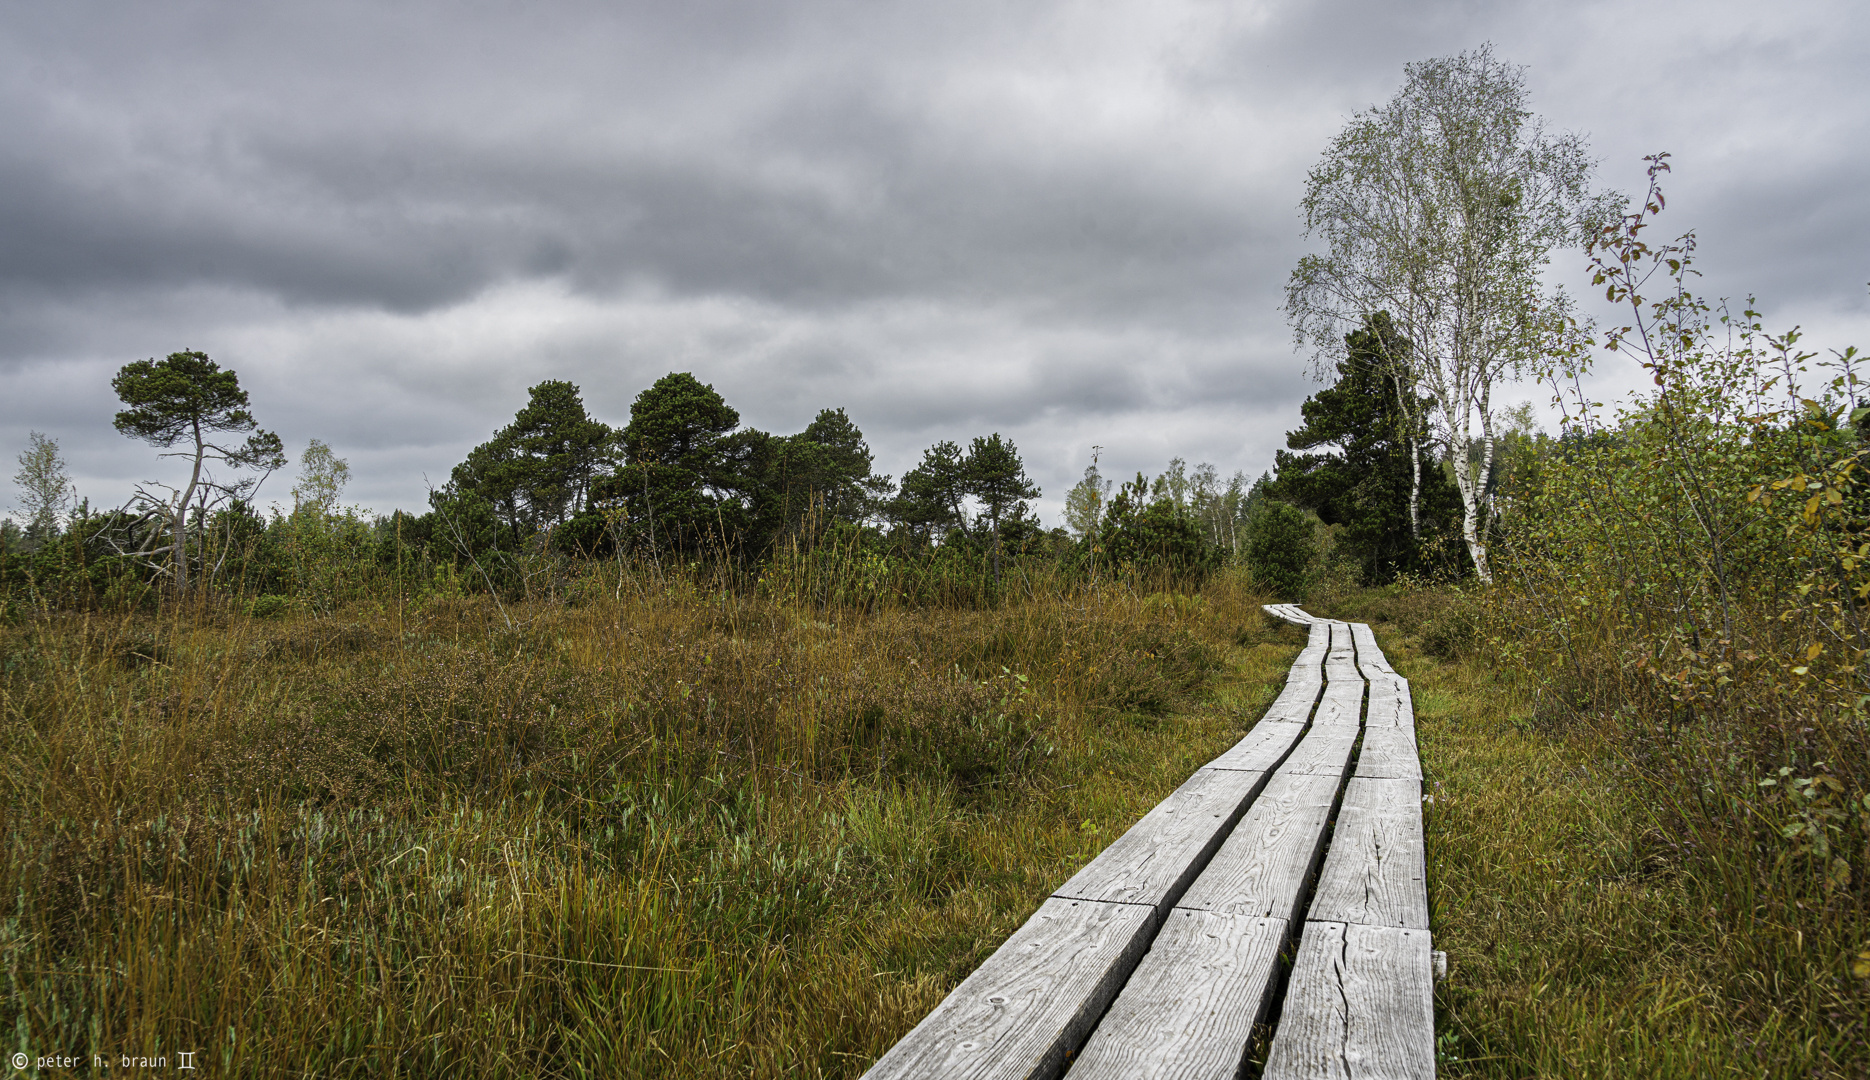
1282	882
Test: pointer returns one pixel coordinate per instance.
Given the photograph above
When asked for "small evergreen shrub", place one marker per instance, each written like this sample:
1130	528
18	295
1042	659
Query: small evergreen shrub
1281	550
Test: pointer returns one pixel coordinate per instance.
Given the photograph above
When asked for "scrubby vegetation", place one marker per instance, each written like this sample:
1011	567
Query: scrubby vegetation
661	825
687	750
1651	830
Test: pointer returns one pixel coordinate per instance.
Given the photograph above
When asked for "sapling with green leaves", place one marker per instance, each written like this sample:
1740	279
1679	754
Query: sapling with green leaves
44	486
322	477
1084	503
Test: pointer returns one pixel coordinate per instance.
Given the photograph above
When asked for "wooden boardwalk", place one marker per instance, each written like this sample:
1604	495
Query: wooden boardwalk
1283	882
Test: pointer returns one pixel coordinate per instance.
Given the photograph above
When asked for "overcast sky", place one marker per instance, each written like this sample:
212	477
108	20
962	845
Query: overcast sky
1070	223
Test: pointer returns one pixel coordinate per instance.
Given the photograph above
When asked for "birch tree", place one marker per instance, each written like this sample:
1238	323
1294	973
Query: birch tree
1442	208
1084	503
45	487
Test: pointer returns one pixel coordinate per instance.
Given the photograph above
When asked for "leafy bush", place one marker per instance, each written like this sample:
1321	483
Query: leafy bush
1686	577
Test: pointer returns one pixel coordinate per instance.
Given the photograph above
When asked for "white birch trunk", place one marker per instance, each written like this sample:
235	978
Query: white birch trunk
1415	457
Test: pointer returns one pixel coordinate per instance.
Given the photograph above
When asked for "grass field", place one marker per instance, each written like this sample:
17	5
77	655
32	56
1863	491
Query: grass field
1590	931
659	831
674	830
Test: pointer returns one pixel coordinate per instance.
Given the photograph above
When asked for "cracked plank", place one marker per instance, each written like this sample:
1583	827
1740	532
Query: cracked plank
1390	703
1375	870
1022	1012
1188	1011
1359	1006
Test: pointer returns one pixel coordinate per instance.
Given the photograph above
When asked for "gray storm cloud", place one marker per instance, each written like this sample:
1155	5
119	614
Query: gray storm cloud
1067	222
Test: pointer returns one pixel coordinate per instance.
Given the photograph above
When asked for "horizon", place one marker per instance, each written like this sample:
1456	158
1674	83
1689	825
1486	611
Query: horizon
1071	227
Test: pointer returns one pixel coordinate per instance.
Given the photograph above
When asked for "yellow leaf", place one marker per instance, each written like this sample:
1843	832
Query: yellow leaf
1860	967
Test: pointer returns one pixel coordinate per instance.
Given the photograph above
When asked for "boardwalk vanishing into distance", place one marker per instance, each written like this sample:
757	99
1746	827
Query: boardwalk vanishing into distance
1282	882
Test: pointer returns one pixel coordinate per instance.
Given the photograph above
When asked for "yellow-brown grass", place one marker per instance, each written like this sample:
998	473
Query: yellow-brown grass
667	829
1598	922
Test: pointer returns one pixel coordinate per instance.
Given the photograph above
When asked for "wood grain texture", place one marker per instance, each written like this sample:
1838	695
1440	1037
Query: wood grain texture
1020	1014
1390	704
1342	703
1262	869
1157	859
1188	1011
1294	706
1359	1006
1262	749
1390	753
1325	751
1375	873
1296	698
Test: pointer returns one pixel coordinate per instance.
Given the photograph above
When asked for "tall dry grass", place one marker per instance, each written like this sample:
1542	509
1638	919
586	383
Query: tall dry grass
661	828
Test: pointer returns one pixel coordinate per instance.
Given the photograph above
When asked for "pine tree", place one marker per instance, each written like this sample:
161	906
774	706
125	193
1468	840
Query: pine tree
186	398
995	475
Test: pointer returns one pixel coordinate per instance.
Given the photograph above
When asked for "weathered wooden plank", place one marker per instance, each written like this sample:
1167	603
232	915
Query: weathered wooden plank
1289	612
1154	862
1294	705
1375	872
1390	703
1390	753
1262	868
1303	683
1023	1011
1188	1011
1262	749
1341	703
1359	1004
1325	751
1341	657
1370	659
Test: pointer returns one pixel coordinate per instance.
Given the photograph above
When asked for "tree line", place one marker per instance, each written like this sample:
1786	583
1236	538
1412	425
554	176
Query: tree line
683	479
682	483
